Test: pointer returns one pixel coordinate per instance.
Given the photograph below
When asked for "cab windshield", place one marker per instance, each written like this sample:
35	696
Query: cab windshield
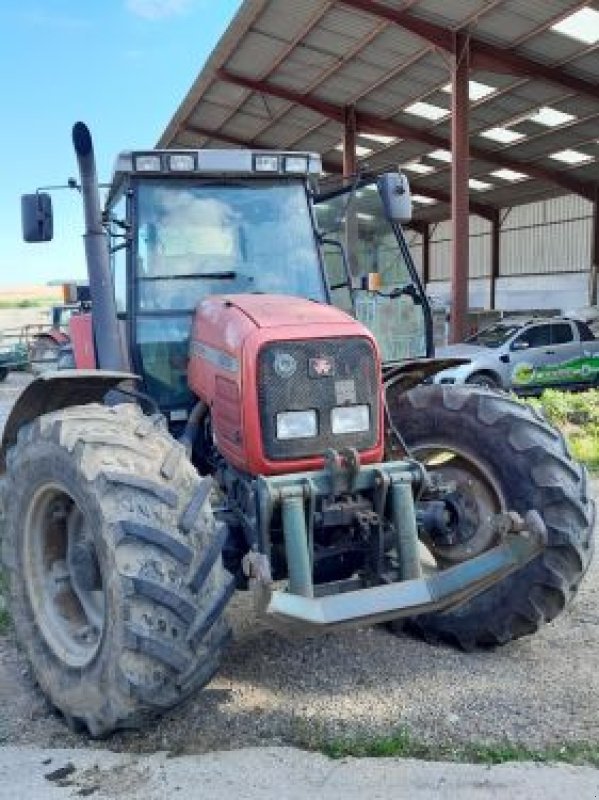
193	241
207	239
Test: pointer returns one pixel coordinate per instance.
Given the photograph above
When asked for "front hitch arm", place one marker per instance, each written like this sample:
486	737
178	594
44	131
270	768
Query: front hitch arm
322	607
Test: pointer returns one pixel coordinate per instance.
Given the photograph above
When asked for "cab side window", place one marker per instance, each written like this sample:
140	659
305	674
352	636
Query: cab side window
535	336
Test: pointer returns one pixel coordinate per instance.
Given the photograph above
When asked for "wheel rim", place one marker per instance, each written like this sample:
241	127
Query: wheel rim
483	381
63	576
479	495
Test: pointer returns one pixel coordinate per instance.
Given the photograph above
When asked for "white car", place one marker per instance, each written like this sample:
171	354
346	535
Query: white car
527	356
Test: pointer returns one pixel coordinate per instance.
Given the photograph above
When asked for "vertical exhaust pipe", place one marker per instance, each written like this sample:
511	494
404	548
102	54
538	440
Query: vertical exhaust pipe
105	322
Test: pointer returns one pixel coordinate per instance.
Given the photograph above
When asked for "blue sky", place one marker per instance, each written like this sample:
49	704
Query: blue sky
121	66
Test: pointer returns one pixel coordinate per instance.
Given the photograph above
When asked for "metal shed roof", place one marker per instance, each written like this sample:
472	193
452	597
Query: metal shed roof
284	72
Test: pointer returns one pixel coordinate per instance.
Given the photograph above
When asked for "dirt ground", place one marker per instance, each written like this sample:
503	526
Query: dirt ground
539	691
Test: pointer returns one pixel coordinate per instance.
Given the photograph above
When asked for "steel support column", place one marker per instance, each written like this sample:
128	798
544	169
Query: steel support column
495	245
593	277
459	190
426	254
350	162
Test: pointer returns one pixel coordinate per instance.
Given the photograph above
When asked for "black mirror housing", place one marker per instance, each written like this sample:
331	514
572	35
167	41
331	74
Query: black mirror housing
36	217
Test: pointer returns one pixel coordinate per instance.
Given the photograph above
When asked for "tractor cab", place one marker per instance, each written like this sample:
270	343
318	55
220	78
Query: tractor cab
185	225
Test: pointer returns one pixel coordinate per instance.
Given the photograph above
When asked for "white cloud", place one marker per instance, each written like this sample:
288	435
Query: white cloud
157	9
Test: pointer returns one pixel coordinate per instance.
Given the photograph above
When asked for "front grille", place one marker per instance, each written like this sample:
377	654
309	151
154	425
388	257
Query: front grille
288	380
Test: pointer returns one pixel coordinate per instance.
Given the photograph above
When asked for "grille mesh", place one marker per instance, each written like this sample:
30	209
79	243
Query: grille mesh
354	381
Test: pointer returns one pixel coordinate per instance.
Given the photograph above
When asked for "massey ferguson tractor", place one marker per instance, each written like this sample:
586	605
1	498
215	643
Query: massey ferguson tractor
249	417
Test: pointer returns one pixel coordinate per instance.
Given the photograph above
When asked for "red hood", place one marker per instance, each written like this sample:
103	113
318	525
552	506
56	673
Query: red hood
273	311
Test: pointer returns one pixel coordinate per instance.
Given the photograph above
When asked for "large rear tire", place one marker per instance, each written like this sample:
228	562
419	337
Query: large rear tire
117	583
502	455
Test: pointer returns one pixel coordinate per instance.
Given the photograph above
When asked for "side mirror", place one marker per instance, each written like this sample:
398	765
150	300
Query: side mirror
394	189
36	217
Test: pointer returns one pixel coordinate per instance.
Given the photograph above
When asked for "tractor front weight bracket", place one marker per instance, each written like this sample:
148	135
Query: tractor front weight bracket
392	486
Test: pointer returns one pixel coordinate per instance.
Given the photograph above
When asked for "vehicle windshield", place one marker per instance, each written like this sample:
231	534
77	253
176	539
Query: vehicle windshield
389	301
196	240
494	336
243	237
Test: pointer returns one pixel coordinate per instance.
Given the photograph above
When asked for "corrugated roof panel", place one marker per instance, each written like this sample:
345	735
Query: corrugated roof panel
392	46
286	20
340	89
261	105
335	45
225	94
307	57
551	48
302	117
448	14
337	29
209	116
361	72
349	22
512	19
587	64
289	72
243	126
256	54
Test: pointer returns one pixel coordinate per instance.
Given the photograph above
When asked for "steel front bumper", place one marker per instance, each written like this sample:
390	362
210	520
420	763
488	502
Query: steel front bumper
437	592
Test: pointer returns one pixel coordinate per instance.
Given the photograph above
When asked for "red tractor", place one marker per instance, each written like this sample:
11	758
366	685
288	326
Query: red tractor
241	432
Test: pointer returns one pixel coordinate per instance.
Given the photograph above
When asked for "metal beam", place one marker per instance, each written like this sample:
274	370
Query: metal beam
426	254
460	242
350	161
484	55
370	123
593	277
495	257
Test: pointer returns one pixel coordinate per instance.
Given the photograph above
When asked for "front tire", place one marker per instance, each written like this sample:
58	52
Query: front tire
117	583
484	380
524	464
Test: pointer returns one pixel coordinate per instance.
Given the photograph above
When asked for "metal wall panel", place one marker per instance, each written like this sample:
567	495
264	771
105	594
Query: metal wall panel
547	248
549	237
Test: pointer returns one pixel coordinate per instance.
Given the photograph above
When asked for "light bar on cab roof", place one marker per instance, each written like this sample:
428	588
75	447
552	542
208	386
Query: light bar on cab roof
181	162
218	162
266	163
296	164
147	162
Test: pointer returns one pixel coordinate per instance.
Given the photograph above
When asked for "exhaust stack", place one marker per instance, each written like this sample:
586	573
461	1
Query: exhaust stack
106	332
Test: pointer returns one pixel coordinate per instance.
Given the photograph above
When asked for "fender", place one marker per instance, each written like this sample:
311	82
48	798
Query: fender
405	376
52	391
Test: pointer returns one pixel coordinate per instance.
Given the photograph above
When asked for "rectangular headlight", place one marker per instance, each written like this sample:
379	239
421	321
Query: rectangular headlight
296	164
264	163
148	162
350	419
182	162
297	424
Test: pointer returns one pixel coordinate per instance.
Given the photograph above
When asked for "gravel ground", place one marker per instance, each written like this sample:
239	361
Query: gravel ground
538	691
